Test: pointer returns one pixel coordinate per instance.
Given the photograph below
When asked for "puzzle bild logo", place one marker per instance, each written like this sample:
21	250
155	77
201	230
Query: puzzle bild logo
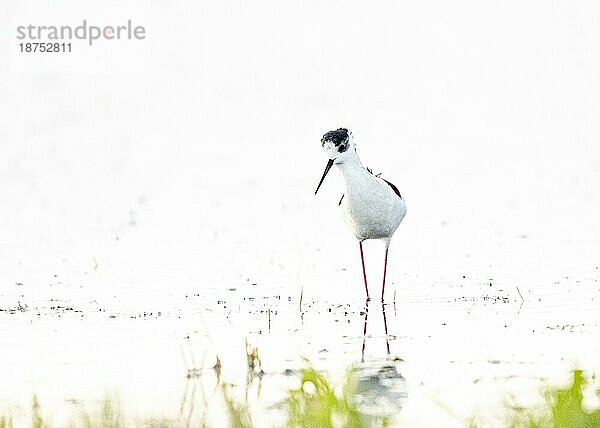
91	33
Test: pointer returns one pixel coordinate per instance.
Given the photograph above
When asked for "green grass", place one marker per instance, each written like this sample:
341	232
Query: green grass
316	402
563	408
6	422
238	412
108	415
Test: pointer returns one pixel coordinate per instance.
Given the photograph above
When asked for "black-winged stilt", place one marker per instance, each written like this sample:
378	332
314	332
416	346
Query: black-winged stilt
371	206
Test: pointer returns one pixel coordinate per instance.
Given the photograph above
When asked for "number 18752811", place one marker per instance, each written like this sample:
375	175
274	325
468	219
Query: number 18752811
45	47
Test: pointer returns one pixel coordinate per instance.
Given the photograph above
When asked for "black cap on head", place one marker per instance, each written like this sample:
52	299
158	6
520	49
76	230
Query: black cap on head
339	138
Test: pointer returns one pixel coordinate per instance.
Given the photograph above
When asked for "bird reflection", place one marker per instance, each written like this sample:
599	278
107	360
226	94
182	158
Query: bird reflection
364	342
387	341
380	387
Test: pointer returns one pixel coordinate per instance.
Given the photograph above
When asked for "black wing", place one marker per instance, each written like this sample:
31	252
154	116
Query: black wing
394	188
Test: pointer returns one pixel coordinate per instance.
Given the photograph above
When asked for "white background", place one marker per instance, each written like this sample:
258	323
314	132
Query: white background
188	160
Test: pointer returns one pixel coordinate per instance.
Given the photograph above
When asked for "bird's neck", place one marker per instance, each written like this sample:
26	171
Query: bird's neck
351	168
349	160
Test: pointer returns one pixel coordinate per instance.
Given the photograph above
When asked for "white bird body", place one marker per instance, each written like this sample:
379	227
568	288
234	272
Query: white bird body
371	206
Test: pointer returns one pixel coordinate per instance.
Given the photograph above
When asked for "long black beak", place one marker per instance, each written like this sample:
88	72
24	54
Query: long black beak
327	168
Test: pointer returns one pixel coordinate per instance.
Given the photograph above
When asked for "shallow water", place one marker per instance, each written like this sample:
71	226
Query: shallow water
452	350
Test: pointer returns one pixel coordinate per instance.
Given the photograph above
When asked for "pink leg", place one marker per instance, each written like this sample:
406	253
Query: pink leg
384	272
362	258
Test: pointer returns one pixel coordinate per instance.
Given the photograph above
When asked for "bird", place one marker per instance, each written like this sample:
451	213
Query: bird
371	206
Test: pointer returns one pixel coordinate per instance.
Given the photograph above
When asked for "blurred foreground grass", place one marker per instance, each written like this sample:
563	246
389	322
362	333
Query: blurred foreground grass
563	408
315	403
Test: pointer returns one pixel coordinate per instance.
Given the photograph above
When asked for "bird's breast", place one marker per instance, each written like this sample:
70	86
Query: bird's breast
371	209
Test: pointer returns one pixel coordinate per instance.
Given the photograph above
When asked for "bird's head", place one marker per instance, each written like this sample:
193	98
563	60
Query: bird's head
337	143
338	146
